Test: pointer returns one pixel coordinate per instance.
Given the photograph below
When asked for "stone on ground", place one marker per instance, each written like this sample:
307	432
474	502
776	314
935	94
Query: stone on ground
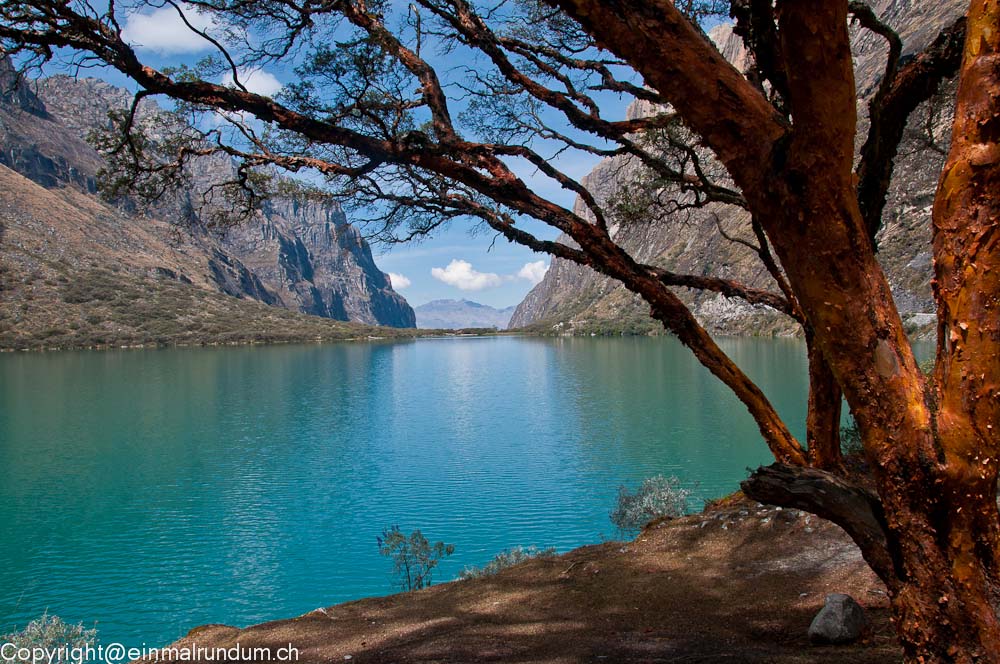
841	620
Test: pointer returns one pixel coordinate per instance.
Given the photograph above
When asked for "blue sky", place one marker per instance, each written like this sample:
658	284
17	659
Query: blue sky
458	264
452	264
512	268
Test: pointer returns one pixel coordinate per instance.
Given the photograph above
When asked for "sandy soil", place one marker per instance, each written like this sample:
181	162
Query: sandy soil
740	584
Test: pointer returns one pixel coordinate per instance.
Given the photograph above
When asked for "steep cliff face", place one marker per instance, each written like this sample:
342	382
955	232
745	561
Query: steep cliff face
75	272
35	144
317	263
300	255
574	298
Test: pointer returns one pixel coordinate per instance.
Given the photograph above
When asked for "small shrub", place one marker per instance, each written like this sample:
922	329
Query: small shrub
47	635
51	332
850	440
657	497
505	559
413	557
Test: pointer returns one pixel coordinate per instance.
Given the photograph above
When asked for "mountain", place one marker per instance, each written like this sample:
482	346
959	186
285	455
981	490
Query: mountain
303	250
60	243
77	273
458	314
572	298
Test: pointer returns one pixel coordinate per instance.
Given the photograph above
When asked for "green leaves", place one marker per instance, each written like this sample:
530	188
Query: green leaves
414	557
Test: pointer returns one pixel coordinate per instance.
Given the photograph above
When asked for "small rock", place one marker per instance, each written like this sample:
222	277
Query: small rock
841	620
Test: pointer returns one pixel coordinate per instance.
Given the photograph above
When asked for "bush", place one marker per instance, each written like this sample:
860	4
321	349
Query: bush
413	557
505	559
657	497
850	440
49	634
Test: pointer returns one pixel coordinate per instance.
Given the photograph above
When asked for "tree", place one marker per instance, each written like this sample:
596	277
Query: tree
413	556
425	144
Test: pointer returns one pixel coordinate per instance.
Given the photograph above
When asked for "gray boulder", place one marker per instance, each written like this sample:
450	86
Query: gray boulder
841	620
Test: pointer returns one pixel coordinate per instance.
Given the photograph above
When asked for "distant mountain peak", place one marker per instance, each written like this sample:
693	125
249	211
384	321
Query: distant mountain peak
456	314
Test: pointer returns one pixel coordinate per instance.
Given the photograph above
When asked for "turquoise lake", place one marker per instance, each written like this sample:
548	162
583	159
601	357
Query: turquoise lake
150	491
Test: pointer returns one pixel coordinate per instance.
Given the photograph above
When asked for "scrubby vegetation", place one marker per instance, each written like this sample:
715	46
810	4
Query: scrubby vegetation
47	639
574	318
505	559
102	307
655	498
850	440
413	556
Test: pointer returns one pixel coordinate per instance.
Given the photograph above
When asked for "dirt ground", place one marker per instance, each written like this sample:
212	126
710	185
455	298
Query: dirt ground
740	584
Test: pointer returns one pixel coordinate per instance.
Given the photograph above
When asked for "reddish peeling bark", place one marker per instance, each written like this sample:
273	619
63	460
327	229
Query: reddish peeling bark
942	605
967	376
967	262
939	530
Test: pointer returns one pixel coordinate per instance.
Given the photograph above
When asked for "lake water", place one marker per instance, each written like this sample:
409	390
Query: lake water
150	491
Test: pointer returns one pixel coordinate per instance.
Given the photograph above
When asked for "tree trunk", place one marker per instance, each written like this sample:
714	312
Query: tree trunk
944	611
952	598
943	602
823	416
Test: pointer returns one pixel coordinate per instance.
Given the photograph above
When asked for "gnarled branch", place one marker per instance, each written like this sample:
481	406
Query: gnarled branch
889	111
853	508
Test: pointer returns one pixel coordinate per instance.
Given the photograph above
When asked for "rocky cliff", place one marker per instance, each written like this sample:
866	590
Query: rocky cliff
572	298
37	145
302	255
77	273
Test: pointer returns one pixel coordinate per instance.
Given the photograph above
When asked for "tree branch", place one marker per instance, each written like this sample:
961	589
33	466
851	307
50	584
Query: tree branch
889	111
821	94
726	287
735	120
755	25
826	495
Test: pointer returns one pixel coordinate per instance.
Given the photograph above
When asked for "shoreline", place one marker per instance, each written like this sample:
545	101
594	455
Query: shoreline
737	582
430	334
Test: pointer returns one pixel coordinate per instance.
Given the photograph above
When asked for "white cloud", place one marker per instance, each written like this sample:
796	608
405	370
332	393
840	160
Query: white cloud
461	275
399	281
533	272
163	31
257	81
